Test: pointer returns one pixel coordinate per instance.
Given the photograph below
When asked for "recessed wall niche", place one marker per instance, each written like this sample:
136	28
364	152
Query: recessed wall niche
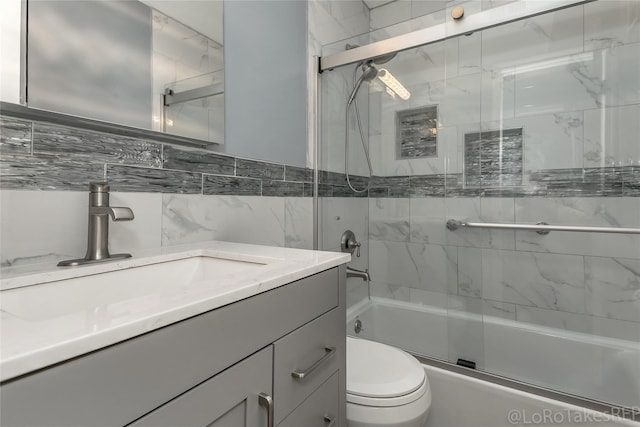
493	158
417	132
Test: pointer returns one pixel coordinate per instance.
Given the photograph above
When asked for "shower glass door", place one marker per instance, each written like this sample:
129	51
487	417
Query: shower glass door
526	122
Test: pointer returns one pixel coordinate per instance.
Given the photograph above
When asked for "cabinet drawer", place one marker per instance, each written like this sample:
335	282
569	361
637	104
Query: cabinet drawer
321	409
308	352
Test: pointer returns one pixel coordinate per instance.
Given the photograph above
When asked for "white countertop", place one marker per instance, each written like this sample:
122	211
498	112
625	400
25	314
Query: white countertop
65	320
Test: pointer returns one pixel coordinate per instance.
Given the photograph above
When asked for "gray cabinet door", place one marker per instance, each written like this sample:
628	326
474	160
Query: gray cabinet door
230	399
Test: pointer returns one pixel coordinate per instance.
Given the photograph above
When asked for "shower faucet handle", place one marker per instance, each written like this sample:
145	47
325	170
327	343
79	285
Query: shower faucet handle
349	243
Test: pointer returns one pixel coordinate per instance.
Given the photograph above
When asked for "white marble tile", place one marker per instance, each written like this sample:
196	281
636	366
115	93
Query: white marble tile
499	309
470	272
242	219
469	54
611	23
421	7
391	13
428	267
551	141
389	219
429	217
499	209
556	86
611	136
330	21
540	280
298	222
393	292
418	22
533	41
582	323
498	96
145	231
428	298
608	77
42	226
419	65
617	70
383	135
462	101
613	287
590	211
338	214
490	4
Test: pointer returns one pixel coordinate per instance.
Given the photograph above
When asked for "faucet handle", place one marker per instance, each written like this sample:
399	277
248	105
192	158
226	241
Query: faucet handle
121	214
354	244
349	243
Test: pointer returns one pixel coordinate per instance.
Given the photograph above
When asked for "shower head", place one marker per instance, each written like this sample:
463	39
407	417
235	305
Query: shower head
369	72
383	59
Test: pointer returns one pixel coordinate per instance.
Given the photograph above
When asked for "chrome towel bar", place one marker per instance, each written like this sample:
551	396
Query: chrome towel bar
541	228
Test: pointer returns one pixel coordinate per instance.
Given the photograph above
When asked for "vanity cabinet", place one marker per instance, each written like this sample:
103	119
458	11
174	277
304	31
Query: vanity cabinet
228	399
287	345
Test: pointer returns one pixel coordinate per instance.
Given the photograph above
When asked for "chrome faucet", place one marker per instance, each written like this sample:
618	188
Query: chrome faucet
98	239
354	272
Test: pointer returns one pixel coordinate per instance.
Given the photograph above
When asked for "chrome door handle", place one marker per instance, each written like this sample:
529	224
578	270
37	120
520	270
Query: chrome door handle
300	375
266	401
329	421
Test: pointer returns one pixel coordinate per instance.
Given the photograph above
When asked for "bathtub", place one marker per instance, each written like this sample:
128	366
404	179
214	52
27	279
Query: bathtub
595	367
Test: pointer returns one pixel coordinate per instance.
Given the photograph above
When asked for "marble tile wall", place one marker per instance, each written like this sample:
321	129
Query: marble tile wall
582	282
178	195
569	81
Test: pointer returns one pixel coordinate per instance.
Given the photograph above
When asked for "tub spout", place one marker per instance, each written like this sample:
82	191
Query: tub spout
354	272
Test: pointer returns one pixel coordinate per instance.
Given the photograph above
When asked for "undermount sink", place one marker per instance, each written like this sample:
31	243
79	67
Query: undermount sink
95	292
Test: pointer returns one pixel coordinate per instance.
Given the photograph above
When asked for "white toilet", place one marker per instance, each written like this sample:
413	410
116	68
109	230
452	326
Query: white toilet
385	386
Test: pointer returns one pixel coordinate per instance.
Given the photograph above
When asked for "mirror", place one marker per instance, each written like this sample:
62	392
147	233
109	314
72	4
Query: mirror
150	64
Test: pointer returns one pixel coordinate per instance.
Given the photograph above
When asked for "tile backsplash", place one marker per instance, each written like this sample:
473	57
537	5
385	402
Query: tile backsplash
43	156
178	195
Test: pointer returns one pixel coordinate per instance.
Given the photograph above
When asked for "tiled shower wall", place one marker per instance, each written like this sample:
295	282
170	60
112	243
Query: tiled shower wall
178	195
570	81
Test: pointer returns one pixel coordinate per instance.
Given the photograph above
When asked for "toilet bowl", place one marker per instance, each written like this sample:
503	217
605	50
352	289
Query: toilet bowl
385	386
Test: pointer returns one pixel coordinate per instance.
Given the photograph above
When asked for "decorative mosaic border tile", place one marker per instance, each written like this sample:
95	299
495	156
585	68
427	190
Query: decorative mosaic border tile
587	182
42	156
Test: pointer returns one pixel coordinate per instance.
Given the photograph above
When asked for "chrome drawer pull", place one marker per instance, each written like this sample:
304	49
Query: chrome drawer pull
329	351
266	401
329	421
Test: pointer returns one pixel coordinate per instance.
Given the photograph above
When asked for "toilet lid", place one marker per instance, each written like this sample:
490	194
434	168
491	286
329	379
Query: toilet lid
380	371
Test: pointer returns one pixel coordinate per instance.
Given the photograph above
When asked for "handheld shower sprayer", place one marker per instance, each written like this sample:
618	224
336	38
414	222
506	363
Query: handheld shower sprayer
369	72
